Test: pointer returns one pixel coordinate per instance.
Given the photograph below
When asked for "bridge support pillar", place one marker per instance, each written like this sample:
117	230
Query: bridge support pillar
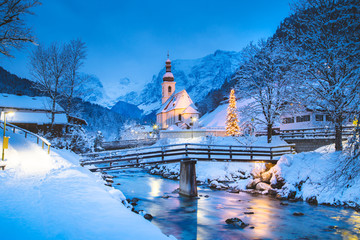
188	185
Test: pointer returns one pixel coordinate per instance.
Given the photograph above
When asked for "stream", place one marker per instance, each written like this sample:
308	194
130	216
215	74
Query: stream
204	218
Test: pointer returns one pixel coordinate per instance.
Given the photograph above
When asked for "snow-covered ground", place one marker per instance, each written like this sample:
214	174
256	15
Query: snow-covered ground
324	175
51	197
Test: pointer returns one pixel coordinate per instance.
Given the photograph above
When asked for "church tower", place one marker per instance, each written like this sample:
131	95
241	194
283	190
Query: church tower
168	84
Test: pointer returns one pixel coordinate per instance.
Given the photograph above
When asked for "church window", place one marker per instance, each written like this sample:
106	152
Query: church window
169	89
179	117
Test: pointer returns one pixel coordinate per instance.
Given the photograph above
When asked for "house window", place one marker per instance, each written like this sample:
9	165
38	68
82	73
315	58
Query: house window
288	120
328	118
319	118
304	118
169	89
179	117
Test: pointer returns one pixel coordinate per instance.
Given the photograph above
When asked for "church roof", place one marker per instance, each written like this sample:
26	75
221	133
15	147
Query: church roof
180	100
191	109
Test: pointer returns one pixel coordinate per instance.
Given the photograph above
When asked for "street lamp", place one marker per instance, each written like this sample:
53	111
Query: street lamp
155	128
193	120
5	139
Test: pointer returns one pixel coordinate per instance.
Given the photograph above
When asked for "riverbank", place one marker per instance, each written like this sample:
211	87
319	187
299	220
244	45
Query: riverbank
52	197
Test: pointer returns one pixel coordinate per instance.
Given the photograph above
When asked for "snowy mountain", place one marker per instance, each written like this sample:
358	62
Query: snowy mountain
197	76
127	110
122	90
91	90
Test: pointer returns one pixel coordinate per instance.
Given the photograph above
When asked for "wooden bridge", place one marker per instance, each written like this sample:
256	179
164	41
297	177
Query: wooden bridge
187	154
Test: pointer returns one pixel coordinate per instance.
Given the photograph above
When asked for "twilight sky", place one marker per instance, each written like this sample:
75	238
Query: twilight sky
131	38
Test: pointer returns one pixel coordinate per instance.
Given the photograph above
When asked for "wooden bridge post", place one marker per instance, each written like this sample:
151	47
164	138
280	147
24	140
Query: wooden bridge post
188	185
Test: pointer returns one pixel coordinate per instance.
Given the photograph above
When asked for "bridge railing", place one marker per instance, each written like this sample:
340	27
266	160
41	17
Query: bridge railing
16	129
317	133
177	152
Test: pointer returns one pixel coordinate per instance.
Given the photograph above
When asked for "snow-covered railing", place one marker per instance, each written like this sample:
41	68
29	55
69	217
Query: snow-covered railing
16	129
315	133
177	152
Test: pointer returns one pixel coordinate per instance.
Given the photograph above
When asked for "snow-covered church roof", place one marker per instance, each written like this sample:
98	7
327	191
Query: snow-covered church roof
180	100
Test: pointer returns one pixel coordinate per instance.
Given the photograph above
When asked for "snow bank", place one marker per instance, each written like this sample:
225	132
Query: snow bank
51	197
319	175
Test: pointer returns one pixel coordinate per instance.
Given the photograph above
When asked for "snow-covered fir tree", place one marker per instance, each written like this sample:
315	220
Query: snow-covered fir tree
232	126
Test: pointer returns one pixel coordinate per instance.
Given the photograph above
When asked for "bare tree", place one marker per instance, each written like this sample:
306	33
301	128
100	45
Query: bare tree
48	67
75	56
13	30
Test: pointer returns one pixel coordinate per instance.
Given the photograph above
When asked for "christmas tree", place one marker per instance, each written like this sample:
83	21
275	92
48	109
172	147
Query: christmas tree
232	127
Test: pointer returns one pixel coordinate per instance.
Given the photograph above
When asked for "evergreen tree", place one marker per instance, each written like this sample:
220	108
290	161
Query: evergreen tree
232	127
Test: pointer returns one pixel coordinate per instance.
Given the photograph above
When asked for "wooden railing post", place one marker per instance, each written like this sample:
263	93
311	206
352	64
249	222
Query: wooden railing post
230	152
251	154
162	153
271	154
48	149
186	150
42	144
209	153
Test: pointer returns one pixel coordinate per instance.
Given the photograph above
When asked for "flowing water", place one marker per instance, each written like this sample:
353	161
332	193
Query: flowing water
204	218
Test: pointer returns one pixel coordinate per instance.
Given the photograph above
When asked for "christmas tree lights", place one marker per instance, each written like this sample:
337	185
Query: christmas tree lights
232	127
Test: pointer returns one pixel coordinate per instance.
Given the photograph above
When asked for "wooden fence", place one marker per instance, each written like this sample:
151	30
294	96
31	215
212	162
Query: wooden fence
315	133
178	152
16	129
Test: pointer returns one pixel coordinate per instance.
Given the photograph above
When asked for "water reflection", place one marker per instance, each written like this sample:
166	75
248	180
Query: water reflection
204	218
155	185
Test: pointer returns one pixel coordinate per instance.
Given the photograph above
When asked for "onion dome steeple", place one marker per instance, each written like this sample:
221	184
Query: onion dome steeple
168	76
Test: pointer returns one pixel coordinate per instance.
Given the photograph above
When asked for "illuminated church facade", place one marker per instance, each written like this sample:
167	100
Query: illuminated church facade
177	109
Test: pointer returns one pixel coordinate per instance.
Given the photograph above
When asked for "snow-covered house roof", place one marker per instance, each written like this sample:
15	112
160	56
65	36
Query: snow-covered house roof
15	102
34	110
38	118
180	100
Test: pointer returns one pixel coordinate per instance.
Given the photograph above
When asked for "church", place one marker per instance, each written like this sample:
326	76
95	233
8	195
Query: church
177	109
